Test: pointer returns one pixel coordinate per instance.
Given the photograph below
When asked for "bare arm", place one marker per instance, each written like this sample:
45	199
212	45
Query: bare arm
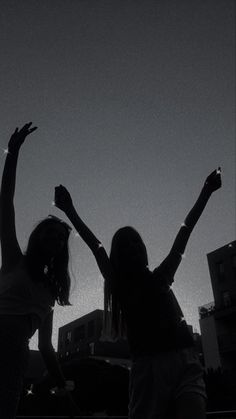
9	244
64	202
47	351
172	261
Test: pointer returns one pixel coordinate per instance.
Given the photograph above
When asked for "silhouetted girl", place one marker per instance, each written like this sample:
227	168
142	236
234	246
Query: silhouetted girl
30	283
165	368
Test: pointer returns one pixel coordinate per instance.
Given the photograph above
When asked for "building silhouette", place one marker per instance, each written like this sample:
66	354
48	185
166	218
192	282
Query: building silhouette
218	318
83	337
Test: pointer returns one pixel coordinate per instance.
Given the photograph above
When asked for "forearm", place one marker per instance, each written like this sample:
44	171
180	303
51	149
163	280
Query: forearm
53	366
82	229
195	213
190	221
9	178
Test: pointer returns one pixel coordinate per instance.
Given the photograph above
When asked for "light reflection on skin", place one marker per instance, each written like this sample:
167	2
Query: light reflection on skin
30	391
5	151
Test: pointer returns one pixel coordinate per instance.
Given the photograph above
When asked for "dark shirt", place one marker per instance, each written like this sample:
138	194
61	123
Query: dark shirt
154	319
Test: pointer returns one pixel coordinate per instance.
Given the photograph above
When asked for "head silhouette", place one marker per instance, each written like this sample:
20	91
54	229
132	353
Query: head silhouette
128	252
47	256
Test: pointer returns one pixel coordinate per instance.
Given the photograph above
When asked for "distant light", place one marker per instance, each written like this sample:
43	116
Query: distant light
230	245
100	245
6	151
183	225
52	391
29	392
183	255
218	171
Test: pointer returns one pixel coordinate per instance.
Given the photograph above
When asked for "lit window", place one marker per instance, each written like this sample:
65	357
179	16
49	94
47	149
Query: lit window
68	337
91	347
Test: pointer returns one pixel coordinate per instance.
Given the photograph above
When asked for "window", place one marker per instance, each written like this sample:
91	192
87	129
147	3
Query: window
226	298
92	348
91	328
68	337
220	270
234	260
79	333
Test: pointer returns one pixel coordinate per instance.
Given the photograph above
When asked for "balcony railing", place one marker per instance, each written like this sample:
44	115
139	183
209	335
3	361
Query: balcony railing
228	307
206	310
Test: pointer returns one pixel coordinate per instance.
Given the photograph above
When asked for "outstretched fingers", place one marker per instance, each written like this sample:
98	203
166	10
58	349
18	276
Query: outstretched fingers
26	128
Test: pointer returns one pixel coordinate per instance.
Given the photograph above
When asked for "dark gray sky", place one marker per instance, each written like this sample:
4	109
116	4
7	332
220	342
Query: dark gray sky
135	104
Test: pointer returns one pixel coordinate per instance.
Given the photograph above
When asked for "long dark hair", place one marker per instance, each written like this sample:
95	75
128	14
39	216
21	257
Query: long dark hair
114	317
56	273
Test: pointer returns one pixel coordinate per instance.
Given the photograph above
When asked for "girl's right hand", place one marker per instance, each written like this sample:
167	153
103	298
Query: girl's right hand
19	136
62	198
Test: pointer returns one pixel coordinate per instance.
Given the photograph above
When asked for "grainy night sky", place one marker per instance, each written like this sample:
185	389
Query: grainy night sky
135	104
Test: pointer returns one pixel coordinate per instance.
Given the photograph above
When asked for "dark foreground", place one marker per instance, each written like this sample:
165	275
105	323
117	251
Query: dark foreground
210	415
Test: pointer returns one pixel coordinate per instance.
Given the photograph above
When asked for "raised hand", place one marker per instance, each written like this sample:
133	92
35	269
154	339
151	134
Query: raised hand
62	198
213	181
19	136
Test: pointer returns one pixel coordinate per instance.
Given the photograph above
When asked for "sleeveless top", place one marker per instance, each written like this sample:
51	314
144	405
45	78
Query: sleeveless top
21	295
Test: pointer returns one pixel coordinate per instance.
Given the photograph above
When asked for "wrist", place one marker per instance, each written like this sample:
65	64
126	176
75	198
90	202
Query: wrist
13	150
207	189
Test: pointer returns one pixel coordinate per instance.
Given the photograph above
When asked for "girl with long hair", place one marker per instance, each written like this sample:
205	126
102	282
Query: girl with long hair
165	368
30	284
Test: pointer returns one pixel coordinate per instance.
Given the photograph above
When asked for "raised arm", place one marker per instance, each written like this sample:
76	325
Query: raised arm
9	244
172	261
64	202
